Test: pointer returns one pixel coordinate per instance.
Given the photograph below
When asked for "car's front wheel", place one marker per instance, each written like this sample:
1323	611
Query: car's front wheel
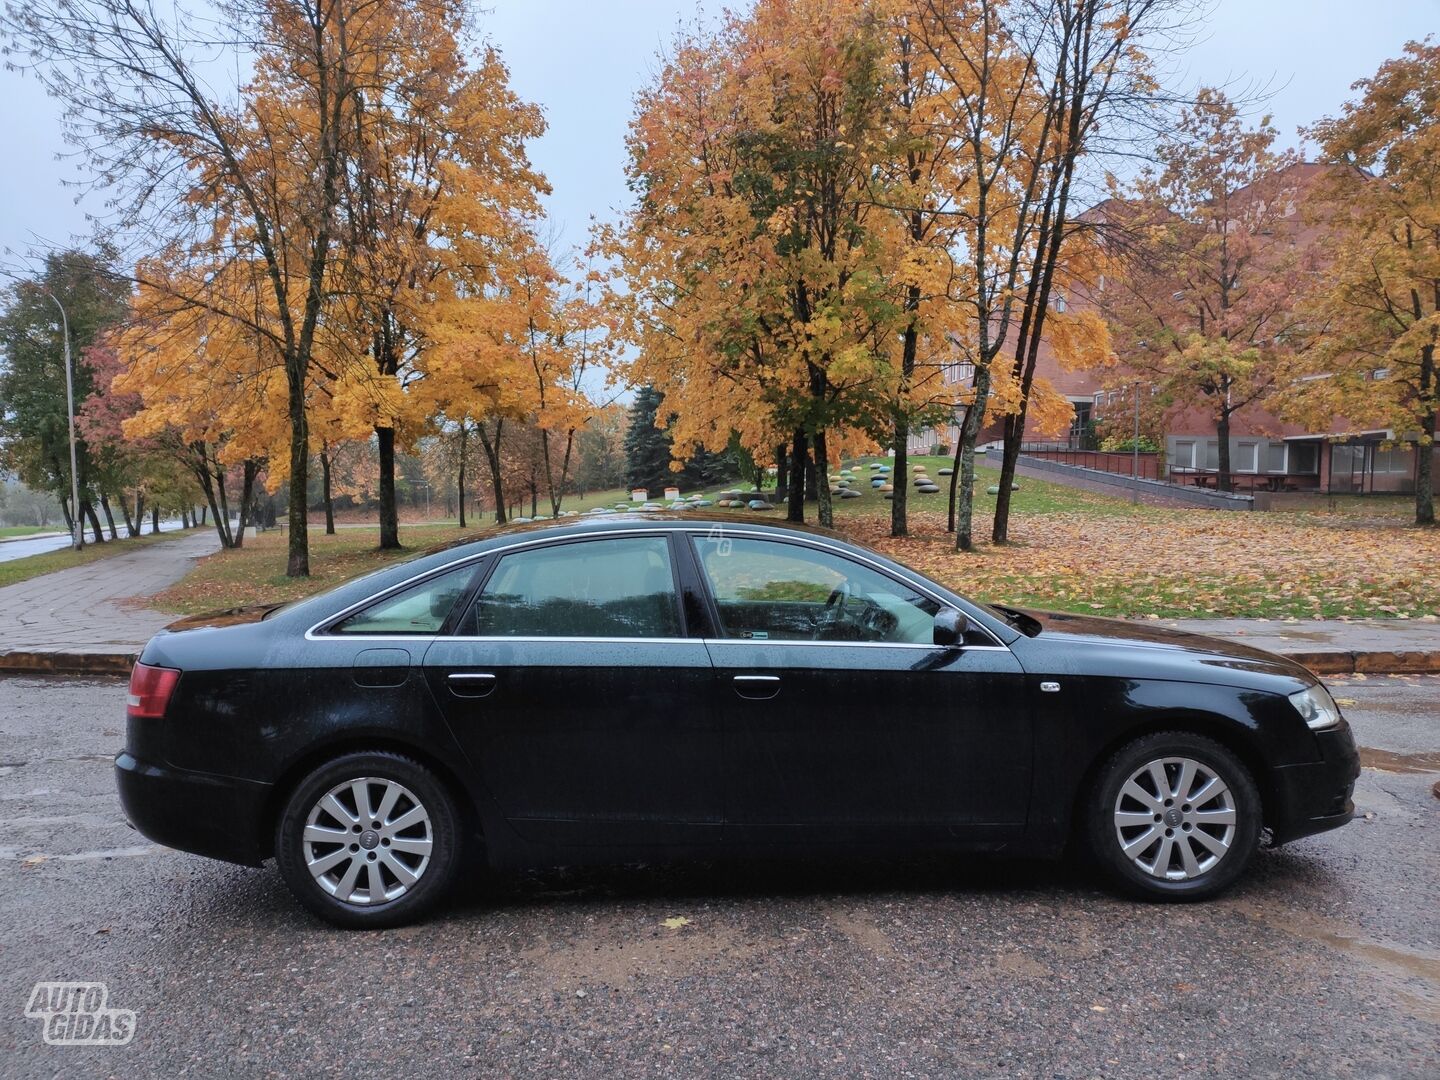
368	840
1173	816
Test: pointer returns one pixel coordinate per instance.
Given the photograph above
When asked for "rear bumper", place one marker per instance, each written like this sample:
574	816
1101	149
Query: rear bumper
219	817
1316	796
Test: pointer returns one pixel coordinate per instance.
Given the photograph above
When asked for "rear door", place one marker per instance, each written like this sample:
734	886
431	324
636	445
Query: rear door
842	719
584	708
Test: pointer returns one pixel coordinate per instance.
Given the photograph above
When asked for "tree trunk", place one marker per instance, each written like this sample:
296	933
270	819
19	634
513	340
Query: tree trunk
65	512
250	470
130	526
297	563
1009	462
325	486
460	477
492	457
389	513
185	517
1222	432
88	512
822	482
955	479
899	521
1425	452
782	473
899	507
154	520
109	517
965	505
795	511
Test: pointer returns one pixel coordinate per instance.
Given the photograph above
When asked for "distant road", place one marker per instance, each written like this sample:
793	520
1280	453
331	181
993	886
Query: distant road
38	545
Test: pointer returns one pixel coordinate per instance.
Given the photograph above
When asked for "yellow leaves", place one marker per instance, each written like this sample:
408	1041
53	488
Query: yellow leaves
1080	339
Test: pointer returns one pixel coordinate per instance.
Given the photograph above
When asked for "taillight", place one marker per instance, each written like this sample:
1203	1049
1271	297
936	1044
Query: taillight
150	690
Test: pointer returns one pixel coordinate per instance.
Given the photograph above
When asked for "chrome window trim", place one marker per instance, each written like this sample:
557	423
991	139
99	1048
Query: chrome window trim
318	633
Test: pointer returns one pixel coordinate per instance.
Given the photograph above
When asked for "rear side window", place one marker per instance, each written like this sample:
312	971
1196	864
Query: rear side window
420	609
619	588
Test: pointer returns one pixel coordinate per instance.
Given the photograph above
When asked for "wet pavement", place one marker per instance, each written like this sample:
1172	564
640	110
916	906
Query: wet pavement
1325	961
23	547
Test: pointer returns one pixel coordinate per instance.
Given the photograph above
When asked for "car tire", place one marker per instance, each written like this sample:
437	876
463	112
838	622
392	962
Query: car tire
375	877
1190	840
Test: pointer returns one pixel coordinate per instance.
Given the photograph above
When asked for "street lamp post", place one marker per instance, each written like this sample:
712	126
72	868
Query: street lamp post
78	535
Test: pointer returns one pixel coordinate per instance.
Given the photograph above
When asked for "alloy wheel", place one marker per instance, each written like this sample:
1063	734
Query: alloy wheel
367	841
1175	818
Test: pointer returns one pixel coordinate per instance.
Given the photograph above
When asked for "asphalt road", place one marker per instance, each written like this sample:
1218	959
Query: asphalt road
24	547
1325	962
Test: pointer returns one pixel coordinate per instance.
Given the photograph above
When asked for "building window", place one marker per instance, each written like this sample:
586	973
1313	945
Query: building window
1303	459
1397	459
1212	454
1246	457
1275	458
1184	456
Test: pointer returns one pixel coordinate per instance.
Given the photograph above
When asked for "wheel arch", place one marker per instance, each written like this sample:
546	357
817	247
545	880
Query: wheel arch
1222	729
317	756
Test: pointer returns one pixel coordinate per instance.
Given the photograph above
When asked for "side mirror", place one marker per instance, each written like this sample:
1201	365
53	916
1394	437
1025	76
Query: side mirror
950	628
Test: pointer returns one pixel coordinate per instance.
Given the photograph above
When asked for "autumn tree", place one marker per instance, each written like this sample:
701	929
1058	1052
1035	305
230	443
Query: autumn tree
1375	312
436	180
599	450
1205	309
254	176
755	255
34	426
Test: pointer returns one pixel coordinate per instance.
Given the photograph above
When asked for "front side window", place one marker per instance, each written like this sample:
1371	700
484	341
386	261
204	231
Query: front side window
768	590
616	588
420	609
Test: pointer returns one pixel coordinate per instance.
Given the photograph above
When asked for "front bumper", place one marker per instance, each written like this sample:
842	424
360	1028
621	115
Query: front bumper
1316	796
219	817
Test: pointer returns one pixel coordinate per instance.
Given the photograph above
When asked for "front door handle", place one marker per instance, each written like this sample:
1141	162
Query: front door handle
757	687
471	683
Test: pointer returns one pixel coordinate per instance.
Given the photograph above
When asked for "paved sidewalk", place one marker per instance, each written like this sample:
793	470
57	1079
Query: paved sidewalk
94	613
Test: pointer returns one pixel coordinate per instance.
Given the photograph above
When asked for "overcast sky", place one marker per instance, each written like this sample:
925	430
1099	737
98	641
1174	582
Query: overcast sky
583	59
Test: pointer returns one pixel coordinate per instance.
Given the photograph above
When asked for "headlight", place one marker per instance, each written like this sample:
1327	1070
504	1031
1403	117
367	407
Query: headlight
1316	707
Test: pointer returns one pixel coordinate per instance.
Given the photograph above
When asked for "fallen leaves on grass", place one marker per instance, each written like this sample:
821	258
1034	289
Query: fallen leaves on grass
1185	563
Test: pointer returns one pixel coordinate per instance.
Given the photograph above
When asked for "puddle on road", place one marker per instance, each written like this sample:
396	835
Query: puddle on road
1413	975
1389	761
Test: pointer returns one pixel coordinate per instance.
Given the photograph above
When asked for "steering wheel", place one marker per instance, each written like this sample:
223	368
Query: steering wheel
833	614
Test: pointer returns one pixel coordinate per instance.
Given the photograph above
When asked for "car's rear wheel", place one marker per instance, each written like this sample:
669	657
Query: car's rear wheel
369	840
1173	816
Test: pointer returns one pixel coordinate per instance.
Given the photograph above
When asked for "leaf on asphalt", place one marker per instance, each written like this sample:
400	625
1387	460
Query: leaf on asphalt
675	922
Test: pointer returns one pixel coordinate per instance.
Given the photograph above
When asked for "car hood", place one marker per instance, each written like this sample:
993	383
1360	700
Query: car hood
1167	647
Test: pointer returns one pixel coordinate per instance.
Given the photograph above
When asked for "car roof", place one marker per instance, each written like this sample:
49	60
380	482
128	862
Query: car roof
585	524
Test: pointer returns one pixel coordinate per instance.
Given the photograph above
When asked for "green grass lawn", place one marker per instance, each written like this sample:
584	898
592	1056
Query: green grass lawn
9	532
48	562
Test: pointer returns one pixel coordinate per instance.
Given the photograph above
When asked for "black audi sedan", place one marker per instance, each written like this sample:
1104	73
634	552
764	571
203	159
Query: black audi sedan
647	686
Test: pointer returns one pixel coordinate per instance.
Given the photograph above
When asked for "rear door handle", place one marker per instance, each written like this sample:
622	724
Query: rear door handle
757	687
471	683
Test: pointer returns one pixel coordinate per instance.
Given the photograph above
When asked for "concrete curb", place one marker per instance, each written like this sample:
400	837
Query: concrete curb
58	663
1321	663
1368	663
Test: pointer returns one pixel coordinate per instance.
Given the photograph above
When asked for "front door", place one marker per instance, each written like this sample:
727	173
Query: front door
585	711
843	721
